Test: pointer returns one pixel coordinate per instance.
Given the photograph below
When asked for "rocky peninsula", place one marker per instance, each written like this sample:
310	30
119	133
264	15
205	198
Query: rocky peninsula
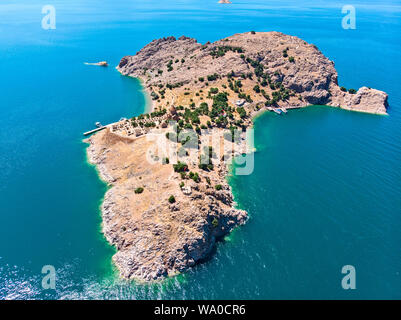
167	207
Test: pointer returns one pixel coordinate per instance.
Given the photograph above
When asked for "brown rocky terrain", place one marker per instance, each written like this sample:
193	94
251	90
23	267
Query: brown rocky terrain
300	67
156	238
164	218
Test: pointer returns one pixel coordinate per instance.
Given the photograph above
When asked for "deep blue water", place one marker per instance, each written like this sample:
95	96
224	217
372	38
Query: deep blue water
326	190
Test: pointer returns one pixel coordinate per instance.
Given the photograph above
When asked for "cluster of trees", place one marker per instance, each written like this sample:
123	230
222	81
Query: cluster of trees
191	116
158	113
154	96
235	85
213	91
241	111
220	109
281	95
247	98
137	121
176	85
352	91
220	51
170	66
162	92
148	124
257	66
265	80
204	108
212	77
180	167
285	55
194	176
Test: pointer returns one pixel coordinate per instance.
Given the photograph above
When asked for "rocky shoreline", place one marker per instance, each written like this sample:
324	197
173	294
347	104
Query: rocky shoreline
155	238
165	211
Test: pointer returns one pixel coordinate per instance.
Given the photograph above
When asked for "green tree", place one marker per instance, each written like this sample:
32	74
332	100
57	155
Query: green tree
138	190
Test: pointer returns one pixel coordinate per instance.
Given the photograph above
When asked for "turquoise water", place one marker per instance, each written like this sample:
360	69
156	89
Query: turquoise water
326	190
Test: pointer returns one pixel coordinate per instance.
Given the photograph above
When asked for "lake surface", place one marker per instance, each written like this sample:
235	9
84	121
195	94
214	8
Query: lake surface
325	192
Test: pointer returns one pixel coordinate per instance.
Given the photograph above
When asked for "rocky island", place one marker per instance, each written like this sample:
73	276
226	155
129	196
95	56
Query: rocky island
167	206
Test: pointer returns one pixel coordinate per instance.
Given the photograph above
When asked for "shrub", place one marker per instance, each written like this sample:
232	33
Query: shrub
343	89
154	95
171	199
242	112
180	167
212	77
138	190
166	160
213	90
221	51
291	59
256	89
215	222
194	176
352	91
253	32
218	187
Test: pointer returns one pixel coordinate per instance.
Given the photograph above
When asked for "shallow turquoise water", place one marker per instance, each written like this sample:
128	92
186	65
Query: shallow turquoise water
326	188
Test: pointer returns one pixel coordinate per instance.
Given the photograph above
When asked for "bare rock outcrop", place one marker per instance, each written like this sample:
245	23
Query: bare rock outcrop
365	99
